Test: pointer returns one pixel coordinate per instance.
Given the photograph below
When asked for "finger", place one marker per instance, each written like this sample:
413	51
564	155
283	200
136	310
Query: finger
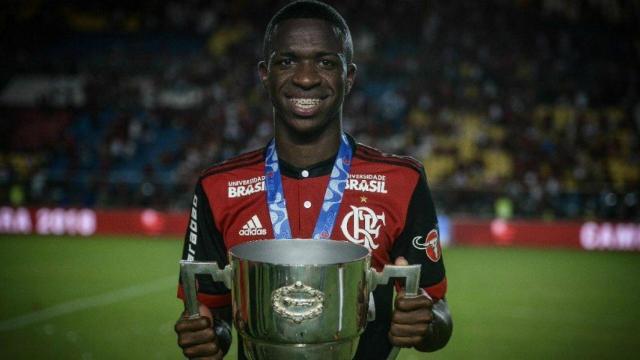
412	303
405	341
188	339
202	350
400	330
186	325
412	317
400	260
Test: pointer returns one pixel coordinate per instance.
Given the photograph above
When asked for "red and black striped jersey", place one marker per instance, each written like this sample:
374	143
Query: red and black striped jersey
387	207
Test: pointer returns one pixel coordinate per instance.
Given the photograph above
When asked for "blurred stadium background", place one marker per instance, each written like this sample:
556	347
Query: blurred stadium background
525	113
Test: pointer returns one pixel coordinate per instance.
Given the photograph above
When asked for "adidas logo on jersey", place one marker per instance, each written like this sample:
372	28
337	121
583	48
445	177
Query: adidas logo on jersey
253	227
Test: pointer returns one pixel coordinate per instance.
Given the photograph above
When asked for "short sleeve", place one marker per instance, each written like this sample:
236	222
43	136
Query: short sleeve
419	241
204	242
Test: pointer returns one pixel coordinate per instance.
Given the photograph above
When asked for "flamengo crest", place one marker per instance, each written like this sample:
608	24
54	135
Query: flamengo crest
362	226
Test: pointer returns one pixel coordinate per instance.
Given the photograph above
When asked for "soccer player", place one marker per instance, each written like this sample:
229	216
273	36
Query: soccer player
386	204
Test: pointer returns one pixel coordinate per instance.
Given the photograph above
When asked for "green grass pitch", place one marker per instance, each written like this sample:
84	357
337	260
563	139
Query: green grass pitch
114	298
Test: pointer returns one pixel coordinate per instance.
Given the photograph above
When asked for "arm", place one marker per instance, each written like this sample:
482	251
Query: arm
207	336
423	322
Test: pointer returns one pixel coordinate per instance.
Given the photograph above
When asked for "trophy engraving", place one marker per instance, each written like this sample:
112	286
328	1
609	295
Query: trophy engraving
297	302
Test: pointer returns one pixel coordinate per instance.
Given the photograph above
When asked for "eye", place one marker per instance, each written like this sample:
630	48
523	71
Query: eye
286	62
327	64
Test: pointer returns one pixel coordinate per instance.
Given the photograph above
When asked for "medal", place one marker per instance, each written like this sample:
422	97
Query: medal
332	196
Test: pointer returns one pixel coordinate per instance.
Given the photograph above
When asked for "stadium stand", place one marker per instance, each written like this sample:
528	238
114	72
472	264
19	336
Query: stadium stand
525	109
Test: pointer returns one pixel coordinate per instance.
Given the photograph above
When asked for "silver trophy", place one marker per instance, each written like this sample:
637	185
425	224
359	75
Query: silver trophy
298	299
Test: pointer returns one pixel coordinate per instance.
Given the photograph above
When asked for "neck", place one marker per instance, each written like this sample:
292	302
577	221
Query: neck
304	151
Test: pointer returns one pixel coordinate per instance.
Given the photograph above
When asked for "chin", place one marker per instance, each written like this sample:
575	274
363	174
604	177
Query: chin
306	126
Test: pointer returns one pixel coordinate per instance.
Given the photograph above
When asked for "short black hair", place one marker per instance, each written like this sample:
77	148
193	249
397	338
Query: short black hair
309	9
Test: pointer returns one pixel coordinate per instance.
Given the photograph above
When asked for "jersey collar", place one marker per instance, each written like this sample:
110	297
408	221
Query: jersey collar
322	168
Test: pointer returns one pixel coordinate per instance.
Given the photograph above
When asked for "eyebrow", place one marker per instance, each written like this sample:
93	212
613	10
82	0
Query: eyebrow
319	54
284	53
329	53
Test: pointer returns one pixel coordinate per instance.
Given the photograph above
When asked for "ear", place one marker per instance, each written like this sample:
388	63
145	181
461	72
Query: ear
263	72
351	76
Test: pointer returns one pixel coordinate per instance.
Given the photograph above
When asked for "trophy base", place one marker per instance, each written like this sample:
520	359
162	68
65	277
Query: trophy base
338	350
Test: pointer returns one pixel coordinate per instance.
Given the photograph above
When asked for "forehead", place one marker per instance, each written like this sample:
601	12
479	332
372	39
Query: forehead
306	35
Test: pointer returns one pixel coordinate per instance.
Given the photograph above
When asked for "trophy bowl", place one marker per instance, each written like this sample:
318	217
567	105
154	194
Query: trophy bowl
297	298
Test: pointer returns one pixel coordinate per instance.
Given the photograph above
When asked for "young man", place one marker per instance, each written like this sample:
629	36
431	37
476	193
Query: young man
380	201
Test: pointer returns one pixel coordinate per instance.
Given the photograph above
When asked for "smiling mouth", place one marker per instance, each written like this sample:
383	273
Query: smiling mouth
304	103
305	106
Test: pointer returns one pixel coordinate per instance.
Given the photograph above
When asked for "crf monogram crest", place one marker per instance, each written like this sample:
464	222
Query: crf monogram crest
362	226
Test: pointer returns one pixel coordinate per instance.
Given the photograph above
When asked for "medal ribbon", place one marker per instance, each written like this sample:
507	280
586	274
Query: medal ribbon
332	197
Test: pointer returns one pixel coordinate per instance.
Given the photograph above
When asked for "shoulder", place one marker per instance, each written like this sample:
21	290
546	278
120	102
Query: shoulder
371	154
246	160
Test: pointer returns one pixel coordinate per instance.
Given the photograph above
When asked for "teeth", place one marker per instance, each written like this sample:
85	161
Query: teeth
305	103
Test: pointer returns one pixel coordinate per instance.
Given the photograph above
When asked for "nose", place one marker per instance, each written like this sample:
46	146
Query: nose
306	75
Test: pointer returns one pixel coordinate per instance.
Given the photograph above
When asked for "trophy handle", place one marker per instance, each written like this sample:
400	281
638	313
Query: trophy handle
188	272
411	273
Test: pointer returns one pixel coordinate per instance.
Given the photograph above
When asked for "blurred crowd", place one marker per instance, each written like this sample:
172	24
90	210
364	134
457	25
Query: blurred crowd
516	108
